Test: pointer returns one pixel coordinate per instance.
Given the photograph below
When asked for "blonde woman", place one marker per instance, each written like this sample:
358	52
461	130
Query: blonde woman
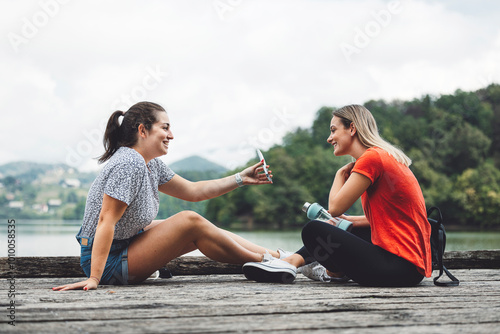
398	253
121	243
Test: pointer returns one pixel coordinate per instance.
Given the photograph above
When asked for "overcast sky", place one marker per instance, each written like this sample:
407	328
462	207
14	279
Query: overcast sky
232	74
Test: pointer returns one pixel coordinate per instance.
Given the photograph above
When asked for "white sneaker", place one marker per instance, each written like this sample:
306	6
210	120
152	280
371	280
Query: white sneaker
284	253
317	272
270	269
154	275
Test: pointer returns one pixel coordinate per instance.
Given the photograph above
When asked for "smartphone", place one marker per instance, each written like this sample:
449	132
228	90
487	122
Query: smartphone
261	157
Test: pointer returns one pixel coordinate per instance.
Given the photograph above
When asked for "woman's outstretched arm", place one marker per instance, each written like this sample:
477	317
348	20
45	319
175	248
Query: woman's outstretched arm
203	190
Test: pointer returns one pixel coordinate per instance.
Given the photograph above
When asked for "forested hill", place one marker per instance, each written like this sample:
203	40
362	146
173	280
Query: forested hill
196	168
30	190
453	140
197	163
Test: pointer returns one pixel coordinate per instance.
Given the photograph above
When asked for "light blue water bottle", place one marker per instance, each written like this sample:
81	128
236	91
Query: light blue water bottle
317	212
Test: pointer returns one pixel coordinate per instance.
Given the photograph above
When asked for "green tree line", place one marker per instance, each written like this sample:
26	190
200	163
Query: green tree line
453	140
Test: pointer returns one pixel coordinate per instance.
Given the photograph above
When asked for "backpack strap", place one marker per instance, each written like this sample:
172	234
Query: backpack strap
454	281
440	251
435	208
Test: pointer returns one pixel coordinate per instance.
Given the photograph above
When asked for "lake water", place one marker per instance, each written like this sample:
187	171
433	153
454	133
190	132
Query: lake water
57	238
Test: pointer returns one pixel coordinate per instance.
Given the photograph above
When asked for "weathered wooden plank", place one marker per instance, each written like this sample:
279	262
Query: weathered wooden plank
230	303
156	308
338	322
486	259
199	265
69	266
301	323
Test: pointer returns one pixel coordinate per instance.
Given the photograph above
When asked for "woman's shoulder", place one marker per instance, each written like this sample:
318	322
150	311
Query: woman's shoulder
161	168
380	158
157	162
376	150
373	153
372	160
126	158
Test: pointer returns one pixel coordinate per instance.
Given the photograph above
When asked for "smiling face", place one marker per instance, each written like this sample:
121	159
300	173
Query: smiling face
341	138
158	137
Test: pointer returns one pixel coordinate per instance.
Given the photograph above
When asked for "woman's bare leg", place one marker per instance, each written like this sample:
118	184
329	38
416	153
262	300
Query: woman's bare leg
242	241
295	259
250	245
165	241
154	223
189	248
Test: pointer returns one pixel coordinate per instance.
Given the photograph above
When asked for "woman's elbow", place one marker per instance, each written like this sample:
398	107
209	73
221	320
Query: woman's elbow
336	209
195	196
335	213
194	199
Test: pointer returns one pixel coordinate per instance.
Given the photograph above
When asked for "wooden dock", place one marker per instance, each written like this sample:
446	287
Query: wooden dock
228	303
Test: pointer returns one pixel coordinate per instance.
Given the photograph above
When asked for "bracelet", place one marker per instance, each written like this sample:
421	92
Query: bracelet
239	180
98	280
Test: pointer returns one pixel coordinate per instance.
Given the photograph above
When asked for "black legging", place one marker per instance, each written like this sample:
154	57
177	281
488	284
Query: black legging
357	257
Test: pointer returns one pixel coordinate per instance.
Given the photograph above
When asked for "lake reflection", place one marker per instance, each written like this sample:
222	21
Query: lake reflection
57	238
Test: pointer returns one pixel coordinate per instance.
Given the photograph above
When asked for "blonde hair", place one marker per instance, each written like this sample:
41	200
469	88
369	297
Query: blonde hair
367	130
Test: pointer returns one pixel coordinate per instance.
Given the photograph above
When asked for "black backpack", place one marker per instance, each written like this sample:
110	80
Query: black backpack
438	244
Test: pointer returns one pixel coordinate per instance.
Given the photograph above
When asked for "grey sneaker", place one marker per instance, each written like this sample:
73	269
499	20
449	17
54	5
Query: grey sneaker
317	272
271	270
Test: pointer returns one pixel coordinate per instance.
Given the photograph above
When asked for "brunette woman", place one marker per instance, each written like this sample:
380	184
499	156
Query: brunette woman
121	243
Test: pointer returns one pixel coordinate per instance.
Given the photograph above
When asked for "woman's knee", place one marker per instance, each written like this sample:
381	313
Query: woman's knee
319	240
311	230
189	214
193	219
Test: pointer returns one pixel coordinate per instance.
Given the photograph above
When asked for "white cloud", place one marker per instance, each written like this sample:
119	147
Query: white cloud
226	77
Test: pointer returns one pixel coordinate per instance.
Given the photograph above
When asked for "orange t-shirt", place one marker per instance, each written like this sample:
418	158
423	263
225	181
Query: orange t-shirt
395	207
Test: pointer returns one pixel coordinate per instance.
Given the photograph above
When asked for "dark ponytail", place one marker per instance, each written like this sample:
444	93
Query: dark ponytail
117	135
111	136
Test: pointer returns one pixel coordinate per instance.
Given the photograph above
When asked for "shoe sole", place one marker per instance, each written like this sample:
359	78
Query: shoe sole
261	273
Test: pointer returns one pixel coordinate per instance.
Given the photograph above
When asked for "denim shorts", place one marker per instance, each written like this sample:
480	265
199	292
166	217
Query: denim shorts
116	269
